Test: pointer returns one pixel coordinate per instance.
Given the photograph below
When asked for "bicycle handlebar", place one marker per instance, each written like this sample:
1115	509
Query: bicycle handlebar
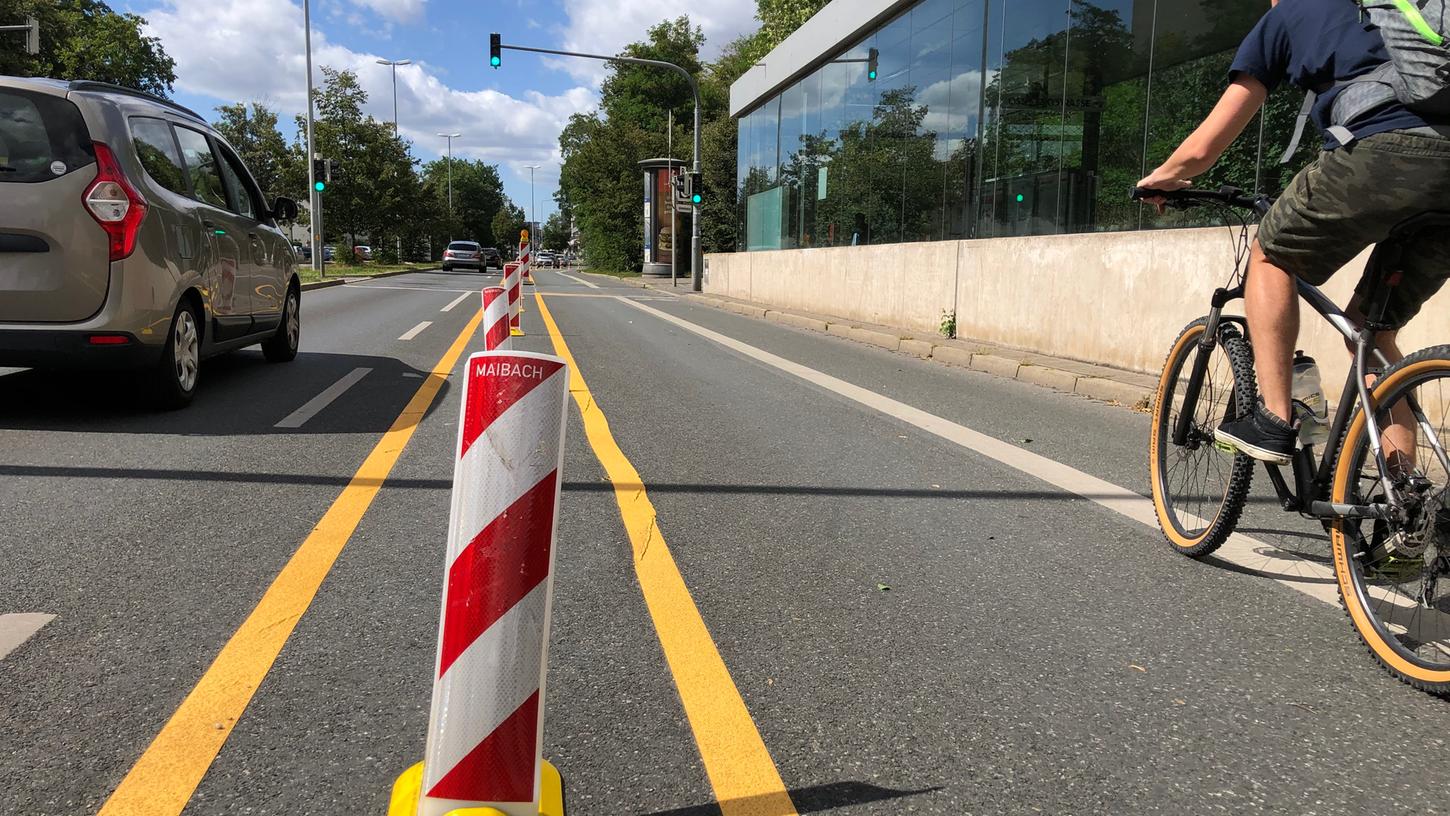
1183	199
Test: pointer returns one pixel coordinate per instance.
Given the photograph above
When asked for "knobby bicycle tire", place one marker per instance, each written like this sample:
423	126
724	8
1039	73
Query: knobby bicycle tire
1184	538
1395	657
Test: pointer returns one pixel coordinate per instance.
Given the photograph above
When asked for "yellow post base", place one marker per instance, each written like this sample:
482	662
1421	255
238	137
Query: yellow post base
516	332
409	789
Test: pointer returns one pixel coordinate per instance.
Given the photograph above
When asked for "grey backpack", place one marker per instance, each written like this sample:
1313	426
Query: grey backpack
1417	37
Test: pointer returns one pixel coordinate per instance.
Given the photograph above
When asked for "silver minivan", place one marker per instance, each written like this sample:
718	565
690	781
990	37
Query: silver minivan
132	236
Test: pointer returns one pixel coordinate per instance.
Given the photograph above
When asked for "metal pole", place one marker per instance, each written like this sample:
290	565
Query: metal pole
314	199
696	273
450	137
674	204
394	66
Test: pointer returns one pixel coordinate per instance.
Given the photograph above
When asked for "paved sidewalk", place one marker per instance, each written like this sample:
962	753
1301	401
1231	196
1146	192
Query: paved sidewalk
1112	385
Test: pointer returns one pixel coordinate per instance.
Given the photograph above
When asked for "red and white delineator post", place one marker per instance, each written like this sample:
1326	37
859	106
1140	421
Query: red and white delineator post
526	261
486	728
515	298
496	319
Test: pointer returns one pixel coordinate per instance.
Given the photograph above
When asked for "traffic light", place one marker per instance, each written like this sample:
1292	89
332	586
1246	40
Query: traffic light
695	186
495	49
331	170
319	175
872	57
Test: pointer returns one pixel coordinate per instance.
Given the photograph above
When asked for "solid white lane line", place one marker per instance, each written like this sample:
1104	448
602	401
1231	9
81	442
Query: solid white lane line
416	330
314	406
590	284
1312	579
455	302
16	628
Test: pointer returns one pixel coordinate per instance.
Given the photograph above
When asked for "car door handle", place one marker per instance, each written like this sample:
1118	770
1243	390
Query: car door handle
253	236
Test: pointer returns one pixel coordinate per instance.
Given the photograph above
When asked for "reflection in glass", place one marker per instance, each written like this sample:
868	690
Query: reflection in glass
996	118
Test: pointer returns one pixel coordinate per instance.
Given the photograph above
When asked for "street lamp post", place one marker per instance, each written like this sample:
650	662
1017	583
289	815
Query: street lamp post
450	137
394	65
533	224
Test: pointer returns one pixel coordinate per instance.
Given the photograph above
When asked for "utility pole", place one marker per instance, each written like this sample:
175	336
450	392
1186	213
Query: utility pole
394	65
696	272
674	203
314	197
450	137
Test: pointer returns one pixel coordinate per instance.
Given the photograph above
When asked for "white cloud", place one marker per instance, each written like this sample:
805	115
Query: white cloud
255	51
607	26
400	10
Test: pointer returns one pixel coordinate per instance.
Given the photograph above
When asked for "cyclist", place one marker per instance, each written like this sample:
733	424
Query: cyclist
1376	170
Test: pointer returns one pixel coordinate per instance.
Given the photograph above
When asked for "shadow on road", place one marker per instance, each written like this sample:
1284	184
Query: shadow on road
238	394
813	799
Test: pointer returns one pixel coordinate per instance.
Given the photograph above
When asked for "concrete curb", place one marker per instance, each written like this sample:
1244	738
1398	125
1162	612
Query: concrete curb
330	282
1125	388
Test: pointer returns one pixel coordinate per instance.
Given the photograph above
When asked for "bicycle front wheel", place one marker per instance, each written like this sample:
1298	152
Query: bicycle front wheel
1394	576
1199	488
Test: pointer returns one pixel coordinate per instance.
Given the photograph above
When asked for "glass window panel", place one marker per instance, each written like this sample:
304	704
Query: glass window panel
960	129
792	125
156	148
206	180
1027	135
1105	104
1194	44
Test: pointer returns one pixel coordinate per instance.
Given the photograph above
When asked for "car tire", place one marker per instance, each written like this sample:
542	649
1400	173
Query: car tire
447	268
281	347
177	372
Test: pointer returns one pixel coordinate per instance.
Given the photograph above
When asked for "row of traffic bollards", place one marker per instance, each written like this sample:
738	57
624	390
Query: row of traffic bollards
486	724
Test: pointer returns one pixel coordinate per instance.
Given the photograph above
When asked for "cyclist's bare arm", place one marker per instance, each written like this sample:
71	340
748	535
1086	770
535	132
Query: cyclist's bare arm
1234	111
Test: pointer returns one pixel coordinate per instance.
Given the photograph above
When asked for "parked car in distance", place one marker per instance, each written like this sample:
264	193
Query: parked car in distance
463	254
133	237
362	253
329	252
302	251
491	257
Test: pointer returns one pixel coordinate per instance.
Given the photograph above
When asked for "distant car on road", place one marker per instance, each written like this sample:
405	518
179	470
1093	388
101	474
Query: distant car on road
491	257
363	253
463	254
133	237
328	253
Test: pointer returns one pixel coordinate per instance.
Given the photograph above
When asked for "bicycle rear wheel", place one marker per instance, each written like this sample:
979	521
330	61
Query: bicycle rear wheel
1394	577
1199	488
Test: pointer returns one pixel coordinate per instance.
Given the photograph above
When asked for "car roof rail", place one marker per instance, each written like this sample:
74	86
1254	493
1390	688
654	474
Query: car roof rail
107	87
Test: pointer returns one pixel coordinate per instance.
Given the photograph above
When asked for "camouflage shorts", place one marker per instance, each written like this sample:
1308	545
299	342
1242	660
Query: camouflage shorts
1351	198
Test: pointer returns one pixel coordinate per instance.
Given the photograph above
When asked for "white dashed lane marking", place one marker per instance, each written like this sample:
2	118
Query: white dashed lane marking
416	330
18	627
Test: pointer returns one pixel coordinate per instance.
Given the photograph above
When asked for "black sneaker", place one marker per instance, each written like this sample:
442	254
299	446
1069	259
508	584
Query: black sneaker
1260	435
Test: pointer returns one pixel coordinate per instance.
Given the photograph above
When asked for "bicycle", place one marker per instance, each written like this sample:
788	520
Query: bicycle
1389	521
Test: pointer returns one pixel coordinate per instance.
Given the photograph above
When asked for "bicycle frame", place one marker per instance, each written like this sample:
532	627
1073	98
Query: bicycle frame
1312	480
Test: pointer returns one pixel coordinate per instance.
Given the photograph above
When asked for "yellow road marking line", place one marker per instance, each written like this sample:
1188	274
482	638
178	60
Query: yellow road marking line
169	770
740	768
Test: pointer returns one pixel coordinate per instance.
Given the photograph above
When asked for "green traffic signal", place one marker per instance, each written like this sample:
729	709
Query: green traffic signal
495	61
320	186
1021	198
696	198
495	50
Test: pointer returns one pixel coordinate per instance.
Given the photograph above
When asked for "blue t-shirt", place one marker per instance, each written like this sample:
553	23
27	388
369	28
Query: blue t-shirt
1315	44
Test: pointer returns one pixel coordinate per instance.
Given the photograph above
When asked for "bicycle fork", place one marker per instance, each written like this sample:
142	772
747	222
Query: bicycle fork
1206	344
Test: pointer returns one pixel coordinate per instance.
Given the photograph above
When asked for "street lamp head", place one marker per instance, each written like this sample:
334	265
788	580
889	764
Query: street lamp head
395	62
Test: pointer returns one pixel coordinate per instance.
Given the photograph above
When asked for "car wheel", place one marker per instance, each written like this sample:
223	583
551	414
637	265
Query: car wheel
447	268
282	346
178	369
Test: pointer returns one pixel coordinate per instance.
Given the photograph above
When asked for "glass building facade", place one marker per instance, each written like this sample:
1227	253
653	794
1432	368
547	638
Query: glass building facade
993	118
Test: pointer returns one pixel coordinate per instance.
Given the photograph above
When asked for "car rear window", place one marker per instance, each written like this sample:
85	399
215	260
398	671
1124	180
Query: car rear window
463	245
41	137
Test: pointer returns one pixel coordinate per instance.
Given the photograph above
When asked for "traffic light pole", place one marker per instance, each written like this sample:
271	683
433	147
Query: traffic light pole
313	197
696	257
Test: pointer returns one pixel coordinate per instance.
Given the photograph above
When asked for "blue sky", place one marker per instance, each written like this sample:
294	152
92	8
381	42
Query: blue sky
253	50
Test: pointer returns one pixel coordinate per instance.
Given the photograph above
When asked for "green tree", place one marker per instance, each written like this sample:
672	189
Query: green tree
255	136
556	233
376	191
86	39
477	198
780	18
507	223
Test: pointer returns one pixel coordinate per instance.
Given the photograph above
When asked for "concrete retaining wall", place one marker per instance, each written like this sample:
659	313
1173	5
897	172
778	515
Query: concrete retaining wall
1113	299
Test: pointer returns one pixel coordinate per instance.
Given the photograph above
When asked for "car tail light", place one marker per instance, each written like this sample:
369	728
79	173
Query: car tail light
114	203
448	253
108	339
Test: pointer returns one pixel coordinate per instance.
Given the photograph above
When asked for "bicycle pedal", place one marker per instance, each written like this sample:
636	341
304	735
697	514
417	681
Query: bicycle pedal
1224	447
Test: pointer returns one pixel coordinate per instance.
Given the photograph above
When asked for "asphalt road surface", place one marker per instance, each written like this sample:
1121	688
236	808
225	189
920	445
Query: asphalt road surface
923	589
